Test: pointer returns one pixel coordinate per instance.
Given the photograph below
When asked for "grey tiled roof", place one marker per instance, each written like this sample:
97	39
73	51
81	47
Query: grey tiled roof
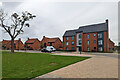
88	29
70	32
93	28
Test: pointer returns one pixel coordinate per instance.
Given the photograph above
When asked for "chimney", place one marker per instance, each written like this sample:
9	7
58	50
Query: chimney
106	21
19	39
28	38
3	39
107	37
43	36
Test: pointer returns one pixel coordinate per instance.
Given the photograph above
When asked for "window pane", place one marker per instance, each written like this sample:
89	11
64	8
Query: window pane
100	49
66	43
88	36
66	48
72	43
66	38
50	44
72	48
100	35
80	36
72	37
100	42
88	49
94	41
94	35
88	42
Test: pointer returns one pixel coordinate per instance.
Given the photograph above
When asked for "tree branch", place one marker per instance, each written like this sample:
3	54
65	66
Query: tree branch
7	30
15	25
20	29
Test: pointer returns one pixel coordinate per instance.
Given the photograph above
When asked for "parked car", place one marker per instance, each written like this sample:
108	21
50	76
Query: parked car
48	49
45	50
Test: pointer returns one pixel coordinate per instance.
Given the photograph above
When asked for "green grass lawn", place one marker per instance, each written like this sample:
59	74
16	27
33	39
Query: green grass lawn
30	65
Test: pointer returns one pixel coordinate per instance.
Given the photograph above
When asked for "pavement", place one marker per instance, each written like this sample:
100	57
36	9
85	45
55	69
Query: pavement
29	51
100	65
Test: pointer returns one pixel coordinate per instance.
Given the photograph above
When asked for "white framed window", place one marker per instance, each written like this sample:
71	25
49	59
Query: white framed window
100	42
100	35
67	43
100	49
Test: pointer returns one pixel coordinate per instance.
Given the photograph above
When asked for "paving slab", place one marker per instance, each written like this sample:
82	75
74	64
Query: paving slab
74	54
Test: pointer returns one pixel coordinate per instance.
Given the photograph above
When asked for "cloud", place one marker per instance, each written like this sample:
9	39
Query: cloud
0	3
54	18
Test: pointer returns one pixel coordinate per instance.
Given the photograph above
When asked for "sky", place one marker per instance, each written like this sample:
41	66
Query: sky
54	18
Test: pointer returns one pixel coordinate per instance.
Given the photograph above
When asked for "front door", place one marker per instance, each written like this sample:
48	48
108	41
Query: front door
79	48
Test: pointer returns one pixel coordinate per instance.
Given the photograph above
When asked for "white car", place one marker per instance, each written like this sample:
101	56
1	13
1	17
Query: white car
50	48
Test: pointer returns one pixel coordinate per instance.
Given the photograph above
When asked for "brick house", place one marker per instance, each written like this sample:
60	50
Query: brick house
32	44
55	42
18	45
69	40
111	45
93	37
5	44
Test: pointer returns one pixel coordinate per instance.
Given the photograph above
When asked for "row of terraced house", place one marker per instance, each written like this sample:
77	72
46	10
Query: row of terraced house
93	37
33	44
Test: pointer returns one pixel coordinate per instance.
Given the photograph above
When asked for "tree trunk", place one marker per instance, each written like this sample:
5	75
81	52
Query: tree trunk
12	45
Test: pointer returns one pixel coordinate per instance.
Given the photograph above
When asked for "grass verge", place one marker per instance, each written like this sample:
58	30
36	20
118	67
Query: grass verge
23	66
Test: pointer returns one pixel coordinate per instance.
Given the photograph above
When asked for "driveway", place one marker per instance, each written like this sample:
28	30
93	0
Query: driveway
101	65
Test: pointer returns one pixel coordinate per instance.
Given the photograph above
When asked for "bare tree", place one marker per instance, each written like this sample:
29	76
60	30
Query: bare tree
17	23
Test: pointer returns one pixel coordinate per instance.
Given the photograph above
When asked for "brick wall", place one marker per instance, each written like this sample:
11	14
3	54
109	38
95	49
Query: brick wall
36	45
111	45
57	44
106	41
20	45
85	40
91	41
69	43
32	44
